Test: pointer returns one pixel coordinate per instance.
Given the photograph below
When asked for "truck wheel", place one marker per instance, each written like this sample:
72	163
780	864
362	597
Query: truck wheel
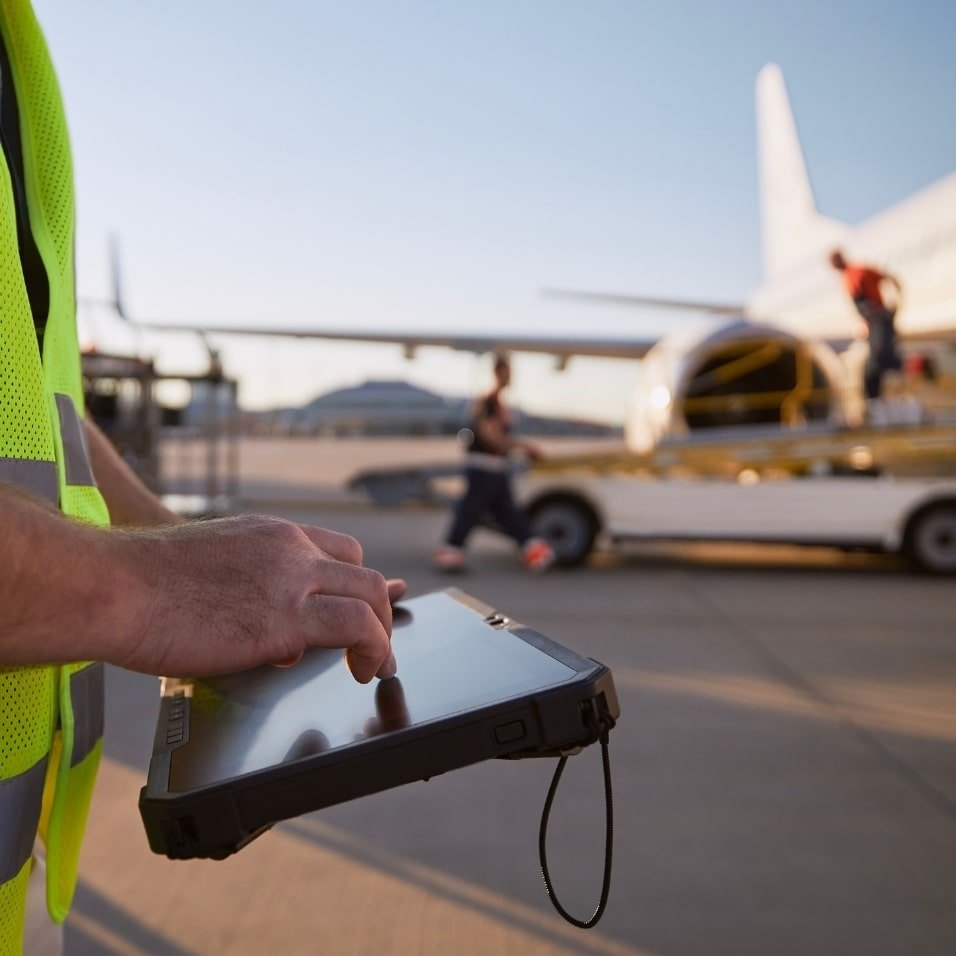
930	541
569	526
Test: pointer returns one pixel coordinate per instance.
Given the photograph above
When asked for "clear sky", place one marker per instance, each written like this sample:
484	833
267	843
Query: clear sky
423	165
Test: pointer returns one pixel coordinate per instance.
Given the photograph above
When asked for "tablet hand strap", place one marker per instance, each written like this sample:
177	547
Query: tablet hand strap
606	722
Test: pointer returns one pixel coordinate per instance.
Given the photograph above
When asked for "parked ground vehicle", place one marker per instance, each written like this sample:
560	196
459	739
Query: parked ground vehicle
888	488
910	515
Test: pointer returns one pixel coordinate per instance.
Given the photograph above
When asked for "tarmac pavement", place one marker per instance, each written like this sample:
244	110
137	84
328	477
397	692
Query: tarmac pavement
784	778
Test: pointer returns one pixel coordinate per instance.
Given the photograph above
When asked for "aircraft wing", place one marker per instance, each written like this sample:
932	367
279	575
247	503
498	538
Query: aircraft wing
562	347
649	302
559	346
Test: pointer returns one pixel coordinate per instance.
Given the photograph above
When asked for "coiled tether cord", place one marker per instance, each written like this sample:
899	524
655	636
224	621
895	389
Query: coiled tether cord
604	723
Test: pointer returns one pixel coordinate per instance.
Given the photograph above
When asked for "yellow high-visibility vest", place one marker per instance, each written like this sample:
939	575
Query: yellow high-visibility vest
51	718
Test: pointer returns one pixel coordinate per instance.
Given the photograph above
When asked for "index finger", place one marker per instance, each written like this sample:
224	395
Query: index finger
332	620
342	547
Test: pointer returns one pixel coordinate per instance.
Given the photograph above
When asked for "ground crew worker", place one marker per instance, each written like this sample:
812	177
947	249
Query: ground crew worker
488	476
176	598
863	285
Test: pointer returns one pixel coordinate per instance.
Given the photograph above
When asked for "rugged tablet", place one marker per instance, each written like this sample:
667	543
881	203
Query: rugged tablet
235	754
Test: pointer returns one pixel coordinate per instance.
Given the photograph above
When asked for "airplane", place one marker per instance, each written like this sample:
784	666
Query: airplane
783	356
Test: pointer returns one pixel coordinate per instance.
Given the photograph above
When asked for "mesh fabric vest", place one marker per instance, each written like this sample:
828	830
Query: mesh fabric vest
51	718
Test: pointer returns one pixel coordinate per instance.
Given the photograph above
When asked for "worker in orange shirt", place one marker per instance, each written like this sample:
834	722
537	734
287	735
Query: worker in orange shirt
863	285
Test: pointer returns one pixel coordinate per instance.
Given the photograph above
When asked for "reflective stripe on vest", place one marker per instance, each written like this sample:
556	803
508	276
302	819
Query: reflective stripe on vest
21	798
86	694
36	476
76	456
40	477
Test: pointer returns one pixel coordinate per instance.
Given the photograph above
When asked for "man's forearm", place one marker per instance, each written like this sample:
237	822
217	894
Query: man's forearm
63	592
129	501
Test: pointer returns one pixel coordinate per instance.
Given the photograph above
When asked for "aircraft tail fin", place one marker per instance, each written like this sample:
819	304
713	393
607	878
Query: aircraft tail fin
791	227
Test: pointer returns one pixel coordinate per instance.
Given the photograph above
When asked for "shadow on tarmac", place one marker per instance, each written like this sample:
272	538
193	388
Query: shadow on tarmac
96	925
751	558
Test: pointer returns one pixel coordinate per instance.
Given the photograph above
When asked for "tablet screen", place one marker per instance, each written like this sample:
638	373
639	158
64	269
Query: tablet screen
449	661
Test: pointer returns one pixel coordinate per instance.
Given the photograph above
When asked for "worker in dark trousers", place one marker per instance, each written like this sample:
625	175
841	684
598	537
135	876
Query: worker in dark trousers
488	473
863	285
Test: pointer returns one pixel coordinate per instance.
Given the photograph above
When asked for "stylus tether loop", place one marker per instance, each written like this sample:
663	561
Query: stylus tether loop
604	723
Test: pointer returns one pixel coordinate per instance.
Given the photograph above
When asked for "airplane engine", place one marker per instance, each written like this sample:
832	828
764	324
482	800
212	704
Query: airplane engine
742	374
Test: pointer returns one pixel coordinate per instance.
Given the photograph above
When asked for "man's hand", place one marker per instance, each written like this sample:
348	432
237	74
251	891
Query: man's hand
229	594
396	591
189	600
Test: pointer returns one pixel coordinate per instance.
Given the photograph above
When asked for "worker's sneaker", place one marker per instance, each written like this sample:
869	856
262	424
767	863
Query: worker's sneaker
448	559
537	554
